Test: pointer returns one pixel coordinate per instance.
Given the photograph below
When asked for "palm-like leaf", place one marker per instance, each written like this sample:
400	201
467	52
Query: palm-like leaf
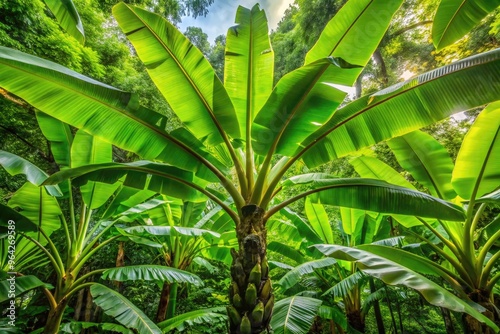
286	251
305	99
318	218
99	109
169	230
39	207
151	273
249	64
427	161
60	137
68	17
292	277
294	315
22	285
120	308
15	165
209	315
380	196
87	150
476	168
79	326
426	99
393	273
140	175
200	100
454	18
342	288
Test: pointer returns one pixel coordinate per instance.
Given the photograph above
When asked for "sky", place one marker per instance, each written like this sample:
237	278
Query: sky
222	12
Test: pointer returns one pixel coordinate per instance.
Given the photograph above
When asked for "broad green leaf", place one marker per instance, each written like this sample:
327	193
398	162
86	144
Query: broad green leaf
169	230
350	219
342	288
306	179
60	137
365	231
306	98
68	18
333	313
292	277
98	109
382	197
478	161
423	100
151	273
318	218
393	273
199	98
281	226
454	18
355	32
38	206
427	161
15	165
301	102
372	168
493	198
21	283
120	308
193	318
369	167
249	64
414	262
294	315
142	175
304	229
22	223
80	326
89	150
126	198
286	251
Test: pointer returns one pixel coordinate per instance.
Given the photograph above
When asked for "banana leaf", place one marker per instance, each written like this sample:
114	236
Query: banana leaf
120	308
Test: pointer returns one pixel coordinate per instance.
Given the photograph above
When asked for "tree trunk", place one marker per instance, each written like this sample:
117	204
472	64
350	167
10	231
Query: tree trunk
473	326
54	319
448	322
250	293
355	319
376	309
120	262
161	313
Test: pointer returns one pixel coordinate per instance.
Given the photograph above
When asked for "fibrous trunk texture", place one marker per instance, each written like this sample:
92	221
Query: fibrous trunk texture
473	326
250	293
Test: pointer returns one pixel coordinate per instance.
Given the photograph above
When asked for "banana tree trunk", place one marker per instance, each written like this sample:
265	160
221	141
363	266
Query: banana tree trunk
356	320
250	293
161	313
55	317
473	326
448	322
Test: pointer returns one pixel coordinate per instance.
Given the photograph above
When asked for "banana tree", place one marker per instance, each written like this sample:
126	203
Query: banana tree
468	252
331	281
183	233
40	215
234	130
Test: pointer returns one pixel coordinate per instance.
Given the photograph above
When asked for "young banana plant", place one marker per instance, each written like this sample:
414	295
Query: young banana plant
467	250
40	215
234	129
